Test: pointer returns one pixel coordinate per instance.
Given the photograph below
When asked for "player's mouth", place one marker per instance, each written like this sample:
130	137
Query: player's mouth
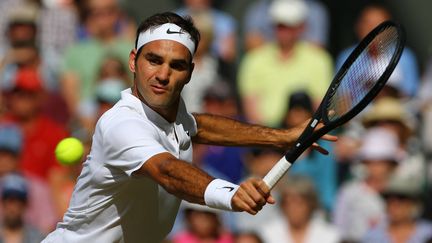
157	89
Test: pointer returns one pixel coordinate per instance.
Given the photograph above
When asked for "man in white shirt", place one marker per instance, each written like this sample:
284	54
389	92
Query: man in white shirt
139	167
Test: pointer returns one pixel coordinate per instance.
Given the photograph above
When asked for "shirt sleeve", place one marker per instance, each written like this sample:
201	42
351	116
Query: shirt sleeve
130	143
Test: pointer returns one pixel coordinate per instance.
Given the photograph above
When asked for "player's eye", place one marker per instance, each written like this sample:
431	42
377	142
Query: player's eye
153	59
179	66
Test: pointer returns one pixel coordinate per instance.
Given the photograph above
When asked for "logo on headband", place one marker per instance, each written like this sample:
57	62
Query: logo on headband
173	32
166	31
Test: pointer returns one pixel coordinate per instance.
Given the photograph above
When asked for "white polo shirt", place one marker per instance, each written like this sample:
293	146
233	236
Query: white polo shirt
108	203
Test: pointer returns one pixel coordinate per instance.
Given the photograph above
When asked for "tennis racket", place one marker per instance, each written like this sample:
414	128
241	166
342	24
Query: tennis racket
354	86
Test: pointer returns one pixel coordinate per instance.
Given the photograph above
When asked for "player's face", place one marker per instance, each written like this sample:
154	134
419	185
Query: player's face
161	70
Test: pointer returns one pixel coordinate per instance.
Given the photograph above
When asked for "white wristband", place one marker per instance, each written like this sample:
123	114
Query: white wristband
219	193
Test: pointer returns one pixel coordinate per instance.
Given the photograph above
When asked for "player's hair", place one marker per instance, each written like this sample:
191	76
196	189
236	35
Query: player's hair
154	21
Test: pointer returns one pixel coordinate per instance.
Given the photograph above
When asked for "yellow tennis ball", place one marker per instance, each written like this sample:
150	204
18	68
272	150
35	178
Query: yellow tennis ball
69	151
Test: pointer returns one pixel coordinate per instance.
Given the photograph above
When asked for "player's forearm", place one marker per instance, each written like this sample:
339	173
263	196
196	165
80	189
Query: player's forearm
178	177
194	185
219	130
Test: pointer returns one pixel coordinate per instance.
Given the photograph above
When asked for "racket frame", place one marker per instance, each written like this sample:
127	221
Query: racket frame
310	135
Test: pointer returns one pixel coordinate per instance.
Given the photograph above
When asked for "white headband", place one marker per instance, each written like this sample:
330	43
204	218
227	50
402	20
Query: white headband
167	32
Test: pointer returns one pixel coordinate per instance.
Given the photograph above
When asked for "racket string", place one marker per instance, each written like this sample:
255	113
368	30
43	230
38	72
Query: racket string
363	74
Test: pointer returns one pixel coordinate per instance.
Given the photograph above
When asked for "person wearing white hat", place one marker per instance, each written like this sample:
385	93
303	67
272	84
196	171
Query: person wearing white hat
359	205
270	73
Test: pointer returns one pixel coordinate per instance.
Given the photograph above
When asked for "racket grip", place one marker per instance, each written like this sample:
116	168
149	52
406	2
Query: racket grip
276	172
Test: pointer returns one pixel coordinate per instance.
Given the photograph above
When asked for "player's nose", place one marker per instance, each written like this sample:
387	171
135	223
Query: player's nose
163	74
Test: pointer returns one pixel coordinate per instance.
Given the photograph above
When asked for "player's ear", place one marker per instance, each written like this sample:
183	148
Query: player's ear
132	60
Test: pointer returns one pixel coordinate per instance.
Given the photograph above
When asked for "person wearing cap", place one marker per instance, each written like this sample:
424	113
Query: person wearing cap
359	206
25	100
272	72
403	207
40	211
139	168
14	204
20	25
258	30
392	114
405	79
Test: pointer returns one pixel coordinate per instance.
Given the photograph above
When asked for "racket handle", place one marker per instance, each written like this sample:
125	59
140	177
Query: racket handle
276	172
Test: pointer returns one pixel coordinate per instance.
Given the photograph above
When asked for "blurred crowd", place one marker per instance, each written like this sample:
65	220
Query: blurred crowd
63	63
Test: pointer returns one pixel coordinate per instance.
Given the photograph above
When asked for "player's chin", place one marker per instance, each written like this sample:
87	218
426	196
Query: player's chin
162	102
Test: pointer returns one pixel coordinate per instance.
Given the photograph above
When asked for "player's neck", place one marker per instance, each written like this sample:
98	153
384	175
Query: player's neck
168	114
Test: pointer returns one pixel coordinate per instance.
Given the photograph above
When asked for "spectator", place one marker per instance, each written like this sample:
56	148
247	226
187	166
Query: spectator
94	14
403	211
14	197
203	225
258	24
112	67
300	223
22	45
359	206
58	23
425	131
391	114
20	25
404	81
25	58
248	237
82	60
25	99
53	23
258	162
224	41
425	100
40	210
24	52
206	64
111	81
321	169
272	72
228	161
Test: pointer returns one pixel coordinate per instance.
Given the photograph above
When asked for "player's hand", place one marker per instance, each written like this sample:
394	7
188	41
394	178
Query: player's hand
251	196
297	131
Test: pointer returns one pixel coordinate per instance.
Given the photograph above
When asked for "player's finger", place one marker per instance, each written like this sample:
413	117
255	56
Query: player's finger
329	137
262	187
320	149
255	199
242	202
271	200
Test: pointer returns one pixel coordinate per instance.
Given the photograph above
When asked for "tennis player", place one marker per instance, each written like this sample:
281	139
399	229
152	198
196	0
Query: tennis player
139	168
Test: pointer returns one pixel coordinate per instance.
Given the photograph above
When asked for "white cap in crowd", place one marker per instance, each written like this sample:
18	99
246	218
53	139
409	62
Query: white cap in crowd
288	12
380	144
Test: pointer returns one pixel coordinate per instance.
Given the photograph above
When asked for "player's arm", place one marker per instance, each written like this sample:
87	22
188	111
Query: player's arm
194	185
224	131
